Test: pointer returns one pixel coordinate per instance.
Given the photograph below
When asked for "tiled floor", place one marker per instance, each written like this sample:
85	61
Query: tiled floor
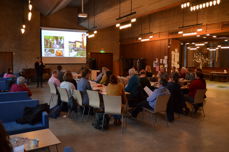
186	134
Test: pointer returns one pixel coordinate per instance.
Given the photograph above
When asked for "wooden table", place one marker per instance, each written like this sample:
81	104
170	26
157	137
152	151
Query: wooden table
46	139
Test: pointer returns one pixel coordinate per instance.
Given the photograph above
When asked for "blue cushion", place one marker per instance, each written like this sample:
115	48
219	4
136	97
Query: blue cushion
14	96
68	149
11	111
15	128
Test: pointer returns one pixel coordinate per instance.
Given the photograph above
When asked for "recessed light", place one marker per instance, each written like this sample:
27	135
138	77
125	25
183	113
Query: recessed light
214	36
204	37
207	34
226	40
198	36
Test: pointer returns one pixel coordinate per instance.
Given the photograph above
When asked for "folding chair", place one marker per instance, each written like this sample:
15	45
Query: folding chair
160	106
113	105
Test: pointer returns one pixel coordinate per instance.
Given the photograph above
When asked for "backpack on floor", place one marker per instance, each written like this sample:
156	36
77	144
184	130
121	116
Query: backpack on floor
97	124
55	111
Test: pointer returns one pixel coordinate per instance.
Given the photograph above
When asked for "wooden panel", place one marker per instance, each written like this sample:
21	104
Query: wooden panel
6	61
147	50
103	59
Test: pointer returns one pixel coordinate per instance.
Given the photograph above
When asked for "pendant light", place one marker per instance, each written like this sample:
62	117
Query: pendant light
128	24
82	14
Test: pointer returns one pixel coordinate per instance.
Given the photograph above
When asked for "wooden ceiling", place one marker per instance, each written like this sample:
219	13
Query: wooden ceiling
106	10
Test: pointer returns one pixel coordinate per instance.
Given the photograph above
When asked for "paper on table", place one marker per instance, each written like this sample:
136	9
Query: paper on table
19	148
148	91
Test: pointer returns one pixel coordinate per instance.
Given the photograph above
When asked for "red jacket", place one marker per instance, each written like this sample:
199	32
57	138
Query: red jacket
195	85
18	88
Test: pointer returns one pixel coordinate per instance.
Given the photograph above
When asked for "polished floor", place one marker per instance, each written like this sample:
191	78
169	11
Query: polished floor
186	134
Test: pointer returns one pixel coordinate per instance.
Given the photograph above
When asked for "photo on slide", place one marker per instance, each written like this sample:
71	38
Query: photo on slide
54	45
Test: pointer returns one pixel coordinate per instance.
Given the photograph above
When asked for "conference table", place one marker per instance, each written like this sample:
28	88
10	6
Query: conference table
45	139
100	87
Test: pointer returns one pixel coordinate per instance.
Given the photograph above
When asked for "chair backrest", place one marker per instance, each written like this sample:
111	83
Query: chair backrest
94	100
52	88
77	96
63	94
199	96
112	104
161	103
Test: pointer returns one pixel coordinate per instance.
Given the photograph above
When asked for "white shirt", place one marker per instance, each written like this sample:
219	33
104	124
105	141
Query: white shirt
68	86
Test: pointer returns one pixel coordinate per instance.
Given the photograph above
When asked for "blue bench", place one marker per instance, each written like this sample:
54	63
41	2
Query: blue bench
5	83
11	111
14	96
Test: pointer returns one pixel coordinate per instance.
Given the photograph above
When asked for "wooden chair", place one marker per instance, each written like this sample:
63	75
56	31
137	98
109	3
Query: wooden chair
113	105
53	91
160	106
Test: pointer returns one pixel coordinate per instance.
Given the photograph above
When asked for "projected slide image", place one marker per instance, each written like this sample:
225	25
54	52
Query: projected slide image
63	46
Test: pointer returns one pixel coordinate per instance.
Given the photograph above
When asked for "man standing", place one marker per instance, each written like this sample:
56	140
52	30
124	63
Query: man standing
39	68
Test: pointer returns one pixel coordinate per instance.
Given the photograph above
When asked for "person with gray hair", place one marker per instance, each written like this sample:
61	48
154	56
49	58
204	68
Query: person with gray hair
133	87
20	86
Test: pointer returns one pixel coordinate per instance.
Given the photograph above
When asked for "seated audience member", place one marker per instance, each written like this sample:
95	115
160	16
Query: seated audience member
148	71
54	79
151	100
105	77
9	74
116	89
60	73
143	79
173	70
162	74
108	74
99	77
84	85
189	75
134	88
5	145
176	102
183	72
144	82
198	83
20	86
67	84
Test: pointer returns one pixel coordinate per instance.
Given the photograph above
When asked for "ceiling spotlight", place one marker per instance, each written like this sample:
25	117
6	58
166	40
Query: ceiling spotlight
198	36
180	32
29	16
95	32
199	30
30	7
139	38
151	37
125	26
117	25
226	40
214	36
207	34
204	37
133	20
22	30
91	36
23	26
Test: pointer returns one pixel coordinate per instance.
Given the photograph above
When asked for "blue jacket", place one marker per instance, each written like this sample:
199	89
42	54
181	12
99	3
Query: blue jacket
158	92
83	85
133	86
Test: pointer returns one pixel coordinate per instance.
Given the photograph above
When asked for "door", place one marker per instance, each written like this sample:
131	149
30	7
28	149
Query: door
103	59
6	61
